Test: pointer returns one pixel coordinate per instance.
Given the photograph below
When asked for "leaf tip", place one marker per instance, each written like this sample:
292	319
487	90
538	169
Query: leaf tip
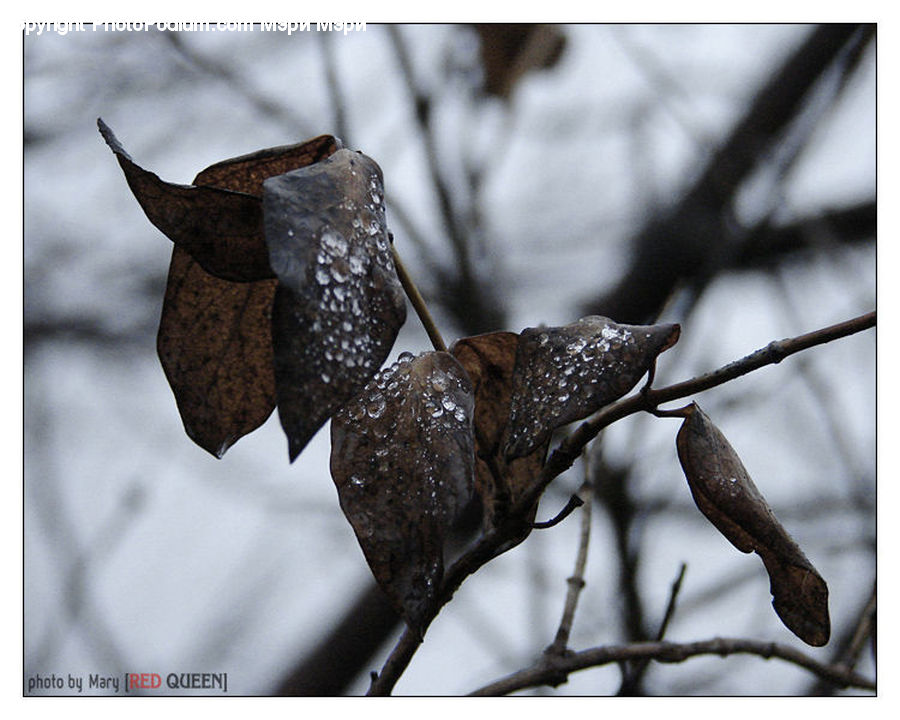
800	598
110	138
295	447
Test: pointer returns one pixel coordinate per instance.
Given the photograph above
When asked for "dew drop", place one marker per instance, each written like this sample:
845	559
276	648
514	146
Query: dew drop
356	411
439	381
334	244
358	264
323	277
339	271
375	406
576	346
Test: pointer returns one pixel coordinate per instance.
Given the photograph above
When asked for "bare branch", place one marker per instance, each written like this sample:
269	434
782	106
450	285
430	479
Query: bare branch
567	452
633	678
555	670
576	581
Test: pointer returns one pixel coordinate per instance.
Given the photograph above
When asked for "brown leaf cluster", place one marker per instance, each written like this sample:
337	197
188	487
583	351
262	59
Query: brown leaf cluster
530	384
248	321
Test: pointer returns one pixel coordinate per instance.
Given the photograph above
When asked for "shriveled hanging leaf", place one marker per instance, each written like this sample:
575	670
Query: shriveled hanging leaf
339	303
215	338
566	373
215	345
402	461
489	360
510	50
219	224
726	495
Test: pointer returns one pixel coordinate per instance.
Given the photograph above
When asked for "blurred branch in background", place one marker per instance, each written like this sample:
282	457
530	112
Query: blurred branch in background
697	238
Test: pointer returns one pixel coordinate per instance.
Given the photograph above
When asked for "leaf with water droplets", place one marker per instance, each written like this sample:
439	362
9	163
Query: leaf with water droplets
339	303
402	460
726	495
566	373
215	336
218	219
489	360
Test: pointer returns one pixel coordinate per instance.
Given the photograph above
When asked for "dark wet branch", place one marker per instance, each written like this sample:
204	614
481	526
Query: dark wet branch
555	670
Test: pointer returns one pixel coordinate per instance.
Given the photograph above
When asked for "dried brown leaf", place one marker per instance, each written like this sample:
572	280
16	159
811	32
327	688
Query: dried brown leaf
339	303
402	461
510	50
215	337
726	495
566	373
489	360
218	220
215	345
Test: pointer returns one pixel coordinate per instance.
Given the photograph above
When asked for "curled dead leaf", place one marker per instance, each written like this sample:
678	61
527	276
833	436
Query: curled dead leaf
563	374
215	335
489	360
215	346
402	462
218	219
725	494
510	50
339	303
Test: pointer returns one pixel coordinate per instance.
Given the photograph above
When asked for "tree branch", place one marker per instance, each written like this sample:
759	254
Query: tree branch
562	458
633	678
555	670
576	581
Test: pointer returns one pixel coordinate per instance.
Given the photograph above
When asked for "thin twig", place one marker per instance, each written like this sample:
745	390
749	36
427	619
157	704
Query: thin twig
562	458
556	672
418	303
576	582
639	668
862	632
670	606
267	107
422	106
574	503
332	83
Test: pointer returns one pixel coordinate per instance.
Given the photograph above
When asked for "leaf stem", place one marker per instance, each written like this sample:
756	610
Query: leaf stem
418	302
574	502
